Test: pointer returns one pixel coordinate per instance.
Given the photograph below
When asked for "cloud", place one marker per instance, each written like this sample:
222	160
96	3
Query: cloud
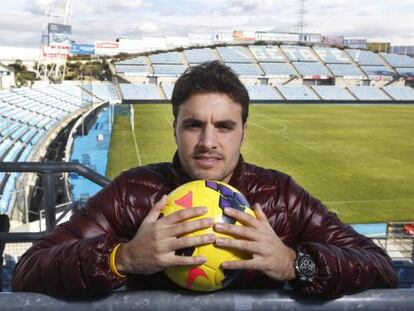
121	5
37	7
110	19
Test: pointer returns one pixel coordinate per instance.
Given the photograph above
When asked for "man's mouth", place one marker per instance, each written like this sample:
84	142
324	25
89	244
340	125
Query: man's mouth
206	161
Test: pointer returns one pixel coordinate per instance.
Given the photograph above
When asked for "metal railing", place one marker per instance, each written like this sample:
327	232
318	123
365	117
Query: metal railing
47	169
380	299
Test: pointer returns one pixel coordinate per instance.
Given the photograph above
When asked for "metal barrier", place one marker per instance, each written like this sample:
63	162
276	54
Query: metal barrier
243	300
47	169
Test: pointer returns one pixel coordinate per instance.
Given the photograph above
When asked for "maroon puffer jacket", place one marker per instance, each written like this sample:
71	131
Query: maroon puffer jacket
74	259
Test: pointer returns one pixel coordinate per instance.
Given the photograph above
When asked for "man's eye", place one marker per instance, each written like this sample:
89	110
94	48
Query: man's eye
225	128
192	125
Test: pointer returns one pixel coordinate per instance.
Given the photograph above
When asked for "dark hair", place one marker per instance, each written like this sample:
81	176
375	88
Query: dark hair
210	77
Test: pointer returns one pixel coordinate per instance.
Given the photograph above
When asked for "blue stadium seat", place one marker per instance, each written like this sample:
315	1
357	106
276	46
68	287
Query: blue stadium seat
168	89
405	72
132	70
396	60
362	57
278	70
331	55
235	54
346	71
168	70
264	53
368	93
140	91
299	53
311	69
299	92
331	92
378	71
167	58
400	92
139	61
241	69
197	56
263	92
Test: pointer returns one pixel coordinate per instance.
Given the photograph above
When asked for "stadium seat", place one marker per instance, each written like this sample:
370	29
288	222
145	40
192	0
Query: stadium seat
400	92
346	71
299	53
362	57
140	91
299	92
263	92
332	55
368	93
235	54
197	56
265	54
330	92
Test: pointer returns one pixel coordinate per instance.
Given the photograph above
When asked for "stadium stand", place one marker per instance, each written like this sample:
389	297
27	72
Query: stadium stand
400	92
246	69
105	92
168	70
332	55
330	92
308	69
405	72
137	66
277	70
262	92
197	56
235	54
396	60
138	61
362	57
368	93
132	70
299	92
378	71
346	70
168	89
299	53
93	153
140	91
27	116
267	53
167	58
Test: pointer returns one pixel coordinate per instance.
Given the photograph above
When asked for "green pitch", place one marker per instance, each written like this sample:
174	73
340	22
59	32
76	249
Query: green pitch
357	159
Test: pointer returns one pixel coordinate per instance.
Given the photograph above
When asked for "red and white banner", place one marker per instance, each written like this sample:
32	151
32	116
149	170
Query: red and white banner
56	51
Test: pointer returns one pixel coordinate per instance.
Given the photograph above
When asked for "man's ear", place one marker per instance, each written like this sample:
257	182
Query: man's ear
244	133
175	128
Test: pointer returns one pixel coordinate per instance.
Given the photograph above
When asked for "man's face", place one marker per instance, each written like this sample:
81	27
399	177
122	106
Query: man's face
209	133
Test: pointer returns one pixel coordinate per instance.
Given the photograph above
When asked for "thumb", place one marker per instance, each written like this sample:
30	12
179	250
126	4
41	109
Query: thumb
155	211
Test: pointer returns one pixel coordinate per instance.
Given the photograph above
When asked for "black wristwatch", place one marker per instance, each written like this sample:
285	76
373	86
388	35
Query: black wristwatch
305	266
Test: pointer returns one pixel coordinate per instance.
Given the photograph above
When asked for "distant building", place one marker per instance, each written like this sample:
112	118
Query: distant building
6	78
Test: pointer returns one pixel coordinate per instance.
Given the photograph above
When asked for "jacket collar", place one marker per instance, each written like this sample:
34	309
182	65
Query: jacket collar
180	176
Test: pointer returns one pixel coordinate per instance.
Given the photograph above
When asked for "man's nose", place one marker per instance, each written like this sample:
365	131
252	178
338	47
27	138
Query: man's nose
208	138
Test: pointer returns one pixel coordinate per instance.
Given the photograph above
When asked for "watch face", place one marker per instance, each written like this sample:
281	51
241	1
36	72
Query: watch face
307	266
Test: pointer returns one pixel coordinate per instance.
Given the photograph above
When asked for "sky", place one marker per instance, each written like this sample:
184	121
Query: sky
22	21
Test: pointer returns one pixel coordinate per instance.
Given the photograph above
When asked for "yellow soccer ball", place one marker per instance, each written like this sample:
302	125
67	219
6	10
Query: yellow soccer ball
214	195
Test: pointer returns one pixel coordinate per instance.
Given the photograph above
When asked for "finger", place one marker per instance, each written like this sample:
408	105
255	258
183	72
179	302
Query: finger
260	215
190	226
155	211
250	247
241	264
185	242
176	260
242	217
184	214
237	231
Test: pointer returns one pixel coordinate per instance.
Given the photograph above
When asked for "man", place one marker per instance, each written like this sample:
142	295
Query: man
120	238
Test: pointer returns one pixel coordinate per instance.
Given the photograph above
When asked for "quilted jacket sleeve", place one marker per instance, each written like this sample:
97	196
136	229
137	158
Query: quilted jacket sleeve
74	259
347	261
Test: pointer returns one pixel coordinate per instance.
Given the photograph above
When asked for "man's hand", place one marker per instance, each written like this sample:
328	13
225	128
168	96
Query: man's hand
269	254
154	245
